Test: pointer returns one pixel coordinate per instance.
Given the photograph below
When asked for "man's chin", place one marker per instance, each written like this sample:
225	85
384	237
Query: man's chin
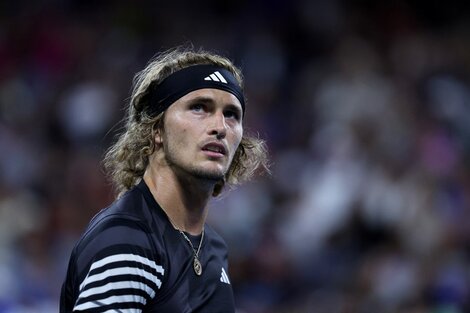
209	174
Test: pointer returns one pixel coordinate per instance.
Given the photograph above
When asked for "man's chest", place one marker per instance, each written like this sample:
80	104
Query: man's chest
185	291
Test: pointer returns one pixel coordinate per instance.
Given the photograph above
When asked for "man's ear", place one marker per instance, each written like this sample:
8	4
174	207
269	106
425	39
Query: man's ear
158	131
158	138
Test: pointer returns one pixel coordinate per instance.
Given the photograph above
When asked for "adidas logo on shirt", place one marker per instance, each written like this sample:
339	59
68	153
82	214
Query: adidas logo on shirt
224	277
217	77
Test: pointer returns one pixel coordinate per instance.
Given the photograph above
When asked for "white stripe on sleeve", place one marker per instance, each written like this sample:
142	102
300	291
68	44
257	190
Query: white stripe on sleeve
127	257
120	271
109	301
118	285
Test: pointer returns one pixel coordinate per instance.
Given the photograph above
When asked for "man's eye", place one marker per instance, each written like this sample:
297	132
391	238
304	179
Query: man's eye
197	107
232	114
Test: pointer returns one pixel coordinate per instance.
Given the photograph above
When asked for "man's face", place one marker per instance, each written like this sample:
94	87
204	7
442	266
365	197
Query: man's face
202	132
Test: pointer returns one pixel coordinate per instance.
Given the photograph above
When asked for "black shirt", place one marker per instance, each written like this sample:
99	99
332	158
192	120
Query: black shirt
131	259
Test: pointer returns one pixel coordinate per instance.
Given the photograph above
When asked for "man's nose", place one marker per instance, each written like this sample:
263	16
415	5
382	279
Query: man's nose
218	127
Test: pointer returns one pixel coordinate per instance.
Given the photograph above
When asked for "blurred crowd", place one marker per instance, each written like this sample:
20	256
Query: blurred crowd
365	106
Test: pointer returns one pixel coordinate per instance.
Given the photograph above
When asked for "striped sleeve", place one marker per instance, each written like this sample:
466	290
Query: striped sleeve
119	271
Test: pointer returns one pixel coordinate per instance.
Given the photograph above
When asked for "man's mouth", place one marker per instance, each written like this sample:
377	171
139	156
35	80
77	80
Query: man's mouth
215	149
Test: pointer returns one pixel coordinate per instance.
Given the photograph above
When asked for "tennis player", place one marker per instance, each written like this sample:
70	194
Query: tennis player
151	250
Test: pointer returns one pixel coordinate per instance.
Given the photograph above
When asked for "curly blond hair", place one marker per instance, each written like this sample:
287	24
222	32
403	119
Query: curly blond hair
127	160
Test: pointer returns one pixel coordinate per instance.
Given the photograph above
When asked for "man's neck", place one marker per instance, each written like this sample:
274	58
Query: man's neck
183	198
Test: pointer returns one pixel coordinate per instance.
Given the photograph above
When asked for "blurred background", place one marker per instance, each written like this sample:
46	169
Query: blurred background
365	106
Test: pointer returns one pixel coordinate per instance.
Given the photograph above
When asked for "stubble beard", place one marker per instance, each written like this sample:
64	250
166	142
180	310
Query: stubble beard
192	170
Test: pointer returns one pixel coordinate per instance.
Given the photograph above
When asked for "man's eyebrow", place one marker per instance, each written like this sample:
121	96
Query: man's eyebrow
202	99
210	100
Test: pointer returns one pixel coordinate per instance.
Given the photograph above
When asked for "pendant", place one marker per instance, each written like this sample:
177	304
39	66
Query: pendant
197	267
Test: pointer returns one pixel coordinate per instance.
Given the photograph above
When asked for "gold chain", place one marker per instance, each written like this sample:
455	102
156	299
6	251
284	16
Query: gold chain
197	266
196	253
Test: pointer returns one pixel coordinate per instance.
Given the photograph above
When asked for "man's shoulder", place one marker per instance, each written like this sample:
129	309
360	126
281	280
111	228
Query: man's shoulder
131	207
126	226
127	218
118	246
131	204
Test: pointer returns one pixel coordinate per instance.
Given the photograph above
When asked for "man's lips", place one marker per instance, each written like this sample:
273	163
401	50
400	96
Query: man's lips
214	149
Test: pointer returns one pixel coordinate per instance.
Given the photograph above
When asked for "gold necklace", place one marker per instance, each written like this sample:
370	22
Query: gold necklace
197	266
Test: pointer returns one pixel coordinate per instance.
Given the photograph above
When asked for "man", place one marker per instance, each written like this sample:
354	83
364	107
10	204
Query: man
151	251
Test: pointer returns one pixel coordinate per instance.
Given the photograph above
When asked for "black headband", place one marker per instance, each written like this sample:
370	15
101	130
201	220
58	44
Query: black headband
189	79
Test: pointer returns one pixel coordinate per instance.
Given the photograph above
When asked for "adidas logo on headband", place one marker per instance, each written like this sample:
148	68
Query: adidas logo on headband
217	77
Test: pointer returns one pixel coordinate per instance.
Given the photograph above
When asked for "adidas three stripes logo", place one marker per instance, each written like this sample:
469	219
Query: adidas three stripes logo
224	277
217	77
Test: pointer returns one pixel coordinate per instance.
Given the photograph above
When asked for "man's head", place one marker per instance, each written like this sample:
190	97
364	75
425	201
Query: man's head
188	107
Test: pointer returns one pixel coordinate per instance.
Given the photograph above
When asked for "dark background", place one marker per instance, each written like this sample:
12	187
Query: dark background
365	106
